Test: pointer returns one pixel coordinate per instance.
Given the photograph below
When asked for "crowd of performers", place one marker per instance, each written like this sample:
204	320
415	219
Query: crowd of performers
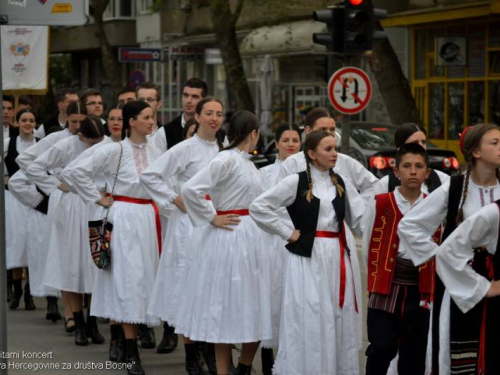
223	253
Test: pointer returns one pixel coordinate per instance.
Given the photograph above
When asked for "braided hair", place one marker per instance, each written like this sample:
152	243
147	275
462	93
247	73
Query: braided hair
219	136
242	123
311	143
471	140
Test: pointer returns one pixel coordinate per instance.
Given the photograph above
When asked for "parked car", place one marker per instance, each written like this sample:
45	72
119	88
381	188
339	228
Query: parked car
372	144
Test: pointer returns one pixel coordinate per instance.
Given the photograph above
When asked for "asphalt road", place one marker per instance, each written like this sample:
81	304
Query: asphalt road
45	344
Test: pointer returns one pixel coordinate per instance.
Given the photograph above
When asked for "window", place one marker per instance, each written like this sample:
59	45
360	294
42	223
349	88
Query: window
120	9
144	6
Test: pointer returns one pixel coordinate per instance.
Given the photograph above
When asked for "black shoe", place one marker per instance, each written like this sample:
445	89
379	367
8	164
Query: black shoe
243	369
169	341
18	292
194	364
208	353
52	310
114	350
267	356
28	298
147	337
80	330
93	331
132	358
71	328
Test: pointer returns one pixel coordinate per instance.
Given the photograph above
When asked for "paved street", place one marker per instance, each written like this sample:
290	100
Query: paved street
29	333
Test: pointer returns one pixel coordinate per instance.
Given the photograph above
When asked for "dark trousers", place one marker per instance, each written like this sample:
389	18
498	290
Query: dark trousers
404	331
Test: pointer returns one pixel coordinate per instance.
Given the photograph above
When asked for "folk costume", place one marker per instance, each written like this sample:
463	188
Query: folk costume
320	330
226	293
468	284
69	264
388	183
415	231
400	293
179	163
123	291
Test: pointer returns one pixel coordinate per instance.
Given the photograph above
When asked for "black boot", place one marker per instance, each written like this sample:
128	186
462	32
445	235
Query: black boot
52	310
169	341
18	292
209	356
28	298
193	366
121	348
147	337
243	369
10	286
114	350
132	358
80	330
92	329
267	356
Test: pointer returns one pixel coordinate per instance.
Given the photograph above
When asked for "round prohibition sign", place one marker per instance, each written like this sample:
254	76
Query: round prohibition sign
349	90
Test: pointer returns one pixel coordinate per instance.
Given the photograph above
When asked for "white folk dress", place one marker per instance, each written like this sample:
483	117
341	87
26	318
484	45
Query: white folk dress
25	191
226	296
277	254
122	293
382	186
415	231
69	265
317	336
179	163
16	217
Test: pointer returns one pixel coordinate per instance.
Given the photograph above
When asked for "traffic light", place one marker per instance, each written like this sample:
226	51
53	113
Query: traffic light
334	38
359	25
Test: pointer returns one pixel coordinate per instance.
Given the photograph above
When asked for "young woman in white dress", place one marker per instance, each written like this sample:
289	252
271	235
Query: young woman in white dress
123	291
179	164
288	142
319	323
76	113
69	265
455	200
16	214
226	296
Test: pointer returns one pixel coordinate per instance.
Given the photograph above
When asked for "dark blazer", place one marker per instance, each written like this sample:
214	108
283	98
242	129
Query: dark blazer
174	132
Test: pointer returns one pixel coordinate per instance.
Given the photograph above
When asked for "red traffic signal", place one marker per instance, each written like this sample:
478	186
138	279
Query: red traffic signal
356	2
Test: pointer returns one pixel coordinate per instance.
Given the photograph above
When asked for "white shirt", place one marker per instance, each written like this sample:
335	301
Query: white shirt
382	186
58	156
465	286
24	190
264	209
178	165
21	146
404	207
363	180
417	227
231	180
28	156
102	165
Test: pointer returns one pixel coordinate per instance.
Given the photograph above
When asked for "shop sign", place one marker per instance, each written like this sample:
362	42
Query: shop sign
126	54
451	51
186	53
349	90
213	56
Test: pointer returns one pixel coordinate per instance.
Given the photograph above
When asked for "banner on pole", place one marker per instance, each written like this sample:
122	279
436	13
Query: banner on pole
25	54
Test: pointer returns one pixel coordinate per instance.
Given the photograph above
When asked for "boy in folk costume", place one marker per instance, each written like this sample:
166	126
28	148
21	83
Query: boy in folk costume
400	293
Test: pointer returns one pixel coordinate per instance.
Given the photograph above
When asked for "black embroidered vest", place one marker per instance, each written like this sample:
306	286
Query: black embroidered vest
305	215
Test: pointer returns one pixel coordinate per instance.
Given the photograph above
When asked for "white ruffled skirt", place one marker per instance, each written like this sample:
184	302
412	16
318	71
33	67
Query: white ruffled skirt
317	337
164	302
122	293
69	265
226	293
16	218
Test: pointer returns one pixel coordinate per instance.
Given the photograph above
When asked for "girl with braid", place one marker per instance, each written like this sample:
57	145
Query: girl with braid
319	331
453	337
179	164
226	295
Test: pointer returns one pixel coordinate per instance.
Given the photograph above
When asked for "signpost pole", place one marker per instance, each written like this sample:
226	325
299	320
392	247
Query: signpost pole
346	119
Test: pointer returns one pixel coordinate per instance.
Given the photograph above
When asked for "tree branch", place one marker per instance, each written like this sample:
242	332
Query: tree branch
239	8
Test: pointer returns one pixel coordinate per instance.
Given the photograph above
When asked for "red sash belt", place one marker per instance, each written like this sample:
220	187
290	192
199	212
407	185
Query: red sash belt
342	243
207	197
119	198
242	212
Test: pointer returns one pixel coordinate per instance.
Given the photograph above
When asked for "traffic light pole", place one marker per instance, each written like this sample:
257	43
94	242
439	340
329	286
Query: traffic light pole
346	119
